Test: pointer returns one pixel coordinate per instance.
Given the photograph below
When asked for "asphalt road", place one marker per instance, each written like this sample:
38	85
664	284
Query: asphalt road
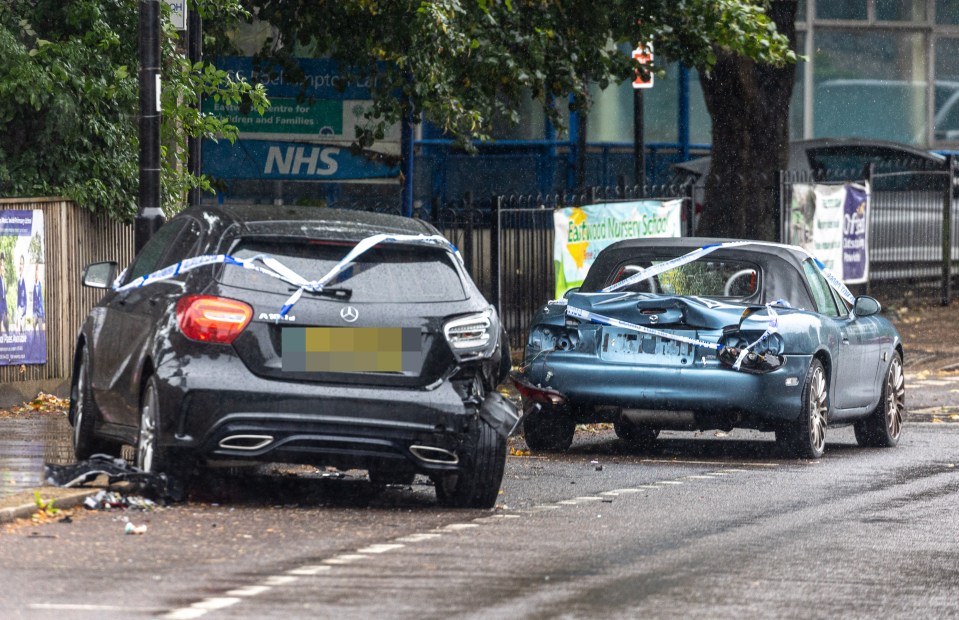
709	526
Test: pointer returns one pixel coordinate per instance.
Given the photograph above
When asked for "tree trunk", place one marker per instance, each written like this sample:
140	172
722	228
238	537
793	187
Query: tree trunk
749	107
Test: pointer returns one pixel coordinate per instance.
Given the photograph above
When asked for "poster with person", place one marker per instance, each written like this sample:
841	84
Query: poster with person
831	221
23	330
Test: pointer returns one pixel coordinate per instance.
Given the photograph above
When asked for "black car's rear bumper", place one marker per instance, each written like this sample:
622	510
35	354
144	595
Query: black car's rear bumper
260	420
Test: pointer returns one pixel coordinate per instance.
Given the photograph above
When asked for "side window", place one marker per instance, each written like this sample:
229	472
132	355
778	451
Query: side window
149	258
821	291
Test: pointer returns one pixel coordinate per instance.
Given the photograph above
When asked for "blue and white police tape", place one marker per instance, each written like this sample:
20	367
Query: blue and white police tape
698	253
276	269
586	315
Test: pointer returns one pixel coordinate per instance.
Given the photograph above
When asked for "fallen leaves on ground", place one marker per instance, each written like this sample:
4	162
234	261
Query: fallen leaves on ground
43	404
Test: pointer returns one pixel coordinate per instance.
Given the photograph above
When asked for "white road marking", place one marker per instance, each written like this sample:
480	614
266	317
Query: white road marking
453	527
279	580
415	538
345	558
308	570
249	591
383	548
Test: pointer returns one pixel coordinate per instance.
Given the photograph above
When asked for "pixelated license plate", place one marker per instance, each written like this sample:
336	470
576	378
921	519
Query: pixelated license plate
351	349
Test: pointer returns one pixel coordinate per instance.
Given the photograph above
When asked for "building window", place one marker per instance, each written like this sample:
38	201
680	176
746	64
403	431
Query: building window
901	10
841	9
947	12
870	84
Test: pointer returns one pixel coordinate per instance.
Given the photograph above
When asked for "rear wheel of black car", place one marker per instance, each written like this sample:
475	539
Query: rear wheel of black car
806	437
84	415
149	455
548	428
884	425
636	435
477	483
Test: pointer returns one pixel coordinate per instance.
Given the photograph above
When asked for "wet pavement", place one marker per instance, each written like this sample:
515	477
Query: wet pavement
29	441
26	443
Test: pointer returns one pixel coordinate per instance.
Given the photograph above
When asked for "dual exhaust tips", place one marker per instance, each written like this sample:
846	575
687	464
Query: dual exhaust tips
252	443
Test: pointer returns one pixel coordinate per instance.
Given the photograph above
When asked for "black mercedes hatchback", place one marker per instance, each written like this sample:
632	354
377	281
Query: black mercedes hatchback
252	334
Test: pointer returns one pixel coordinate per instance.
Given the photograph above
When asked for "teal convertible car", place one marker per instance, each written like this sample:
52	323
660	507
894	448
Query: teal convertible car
697	334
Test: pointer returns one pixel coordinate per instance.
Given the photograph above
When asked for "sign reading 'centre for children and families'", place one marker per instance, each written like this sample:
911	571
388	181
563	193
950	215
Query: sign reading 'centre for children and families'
306	133
831	221
582	232
23	327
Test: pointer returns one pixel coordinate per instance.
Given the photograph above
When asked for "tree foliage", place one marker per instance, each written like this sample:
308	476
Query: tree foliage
462	64
69	103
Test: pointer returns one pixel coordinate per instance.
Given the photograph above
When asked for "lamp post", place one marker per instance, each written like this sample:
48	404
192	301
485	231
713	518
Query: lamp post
149	216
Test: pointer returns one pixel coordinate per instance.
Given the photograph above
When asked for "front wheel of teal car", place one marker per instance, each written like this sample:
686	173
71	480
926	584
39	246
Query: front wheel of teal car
884	425
548	428
806	437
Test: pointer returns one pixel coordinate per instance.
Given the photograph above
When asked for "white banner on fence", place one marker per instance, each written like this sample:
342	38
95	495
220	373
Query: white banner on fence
582	232
831	222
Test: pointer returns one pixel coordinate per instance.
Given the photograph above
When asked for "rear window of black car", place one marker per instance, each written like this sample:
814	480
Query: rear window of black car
702	278
386	273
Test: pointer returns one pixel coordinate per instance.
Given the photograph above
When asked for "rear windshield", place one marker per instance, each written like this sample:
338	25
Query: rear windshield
702	278
386	273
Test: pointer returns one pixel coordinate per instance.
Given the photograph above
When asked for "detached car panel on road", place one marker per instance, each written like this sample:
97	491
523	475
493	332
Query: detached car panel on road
696	334
276	334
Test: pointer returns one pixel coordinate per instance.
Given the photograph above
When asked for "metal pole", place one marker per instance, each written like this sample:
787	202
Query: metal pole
947	233
406	146
495	258
195	54
639	142
149	215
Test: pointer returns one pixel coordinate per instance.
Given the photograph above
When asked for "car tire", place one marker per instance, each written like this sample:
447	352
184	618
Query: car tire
150	457
548	428
84	414
884	425
636	435
477	484
806	437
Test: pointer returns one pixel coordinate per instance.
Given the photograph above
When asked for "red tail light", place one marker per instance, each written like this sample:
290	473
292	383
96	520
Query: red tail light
212	319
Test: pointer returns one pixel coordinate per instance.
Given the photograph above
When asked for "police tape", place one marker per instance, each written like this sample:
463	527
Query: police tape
698	253
771	328
275	269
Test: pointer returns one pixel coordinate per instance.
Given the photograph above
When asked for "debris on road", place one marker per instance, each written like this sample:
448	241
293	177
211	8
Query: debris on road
116	470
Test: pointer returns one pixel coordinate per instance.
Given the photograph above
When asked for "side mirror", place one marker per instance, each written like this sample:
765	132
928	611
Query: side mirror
570	292
100	275
866	306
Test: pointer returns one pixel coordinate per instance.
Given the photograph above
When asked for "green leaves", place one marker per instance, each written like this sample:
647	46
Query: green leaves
467	64
69	103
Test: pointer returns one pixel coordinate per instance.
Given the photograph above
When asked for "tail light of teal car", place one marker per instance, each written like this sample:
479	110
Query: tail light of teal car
765	351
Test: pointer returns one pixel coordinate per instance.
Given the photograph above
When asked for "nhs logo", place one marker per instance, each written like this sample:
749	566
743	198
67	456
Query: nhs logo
301	161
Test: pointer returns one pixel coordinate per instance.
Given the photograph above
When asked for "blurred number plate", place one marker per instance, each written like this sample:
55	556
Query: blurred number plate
351	349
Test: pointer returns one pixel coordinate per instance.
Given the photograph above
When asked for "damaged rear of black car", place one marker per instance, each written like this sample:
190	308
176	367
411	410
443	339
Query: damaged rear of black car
250	334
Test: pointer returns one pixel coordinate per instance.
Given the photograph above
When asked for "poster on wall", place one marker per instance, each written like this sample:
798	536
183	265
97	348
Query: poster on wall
831	221
582	232
23	328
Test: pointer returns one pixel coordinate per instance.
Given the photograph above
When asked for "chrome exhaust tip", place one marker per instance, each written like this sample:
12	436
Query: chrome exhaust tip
246	442
431	454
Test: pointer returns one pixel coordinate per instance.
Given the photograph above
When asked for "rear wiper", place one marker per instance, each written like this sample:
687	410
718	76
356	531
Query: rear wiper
336	293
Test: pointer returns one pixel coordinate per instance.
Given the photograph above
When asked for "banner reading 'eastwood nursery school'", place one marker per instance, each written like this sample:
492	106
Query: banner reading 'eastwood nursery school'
581	232
23	328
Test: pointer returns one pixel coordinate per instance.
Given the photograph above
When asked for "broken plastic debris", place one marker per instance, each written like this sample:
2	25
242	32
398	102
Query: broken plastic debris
110	500
116	470
135	529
